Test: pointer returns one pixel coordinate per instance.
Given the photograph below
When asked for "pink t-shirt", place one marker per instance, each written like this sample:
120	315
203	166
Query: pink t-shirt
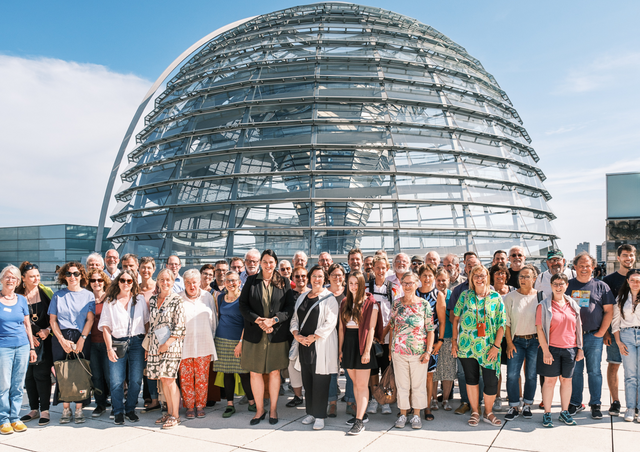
562	331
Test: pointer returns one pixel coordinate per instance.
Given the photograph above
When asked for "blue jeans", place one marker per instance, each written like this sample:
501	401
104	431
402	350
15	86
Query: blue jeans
100	372
462	384
631	364
13	368
349	395
592	348
118	370
333	388
525	349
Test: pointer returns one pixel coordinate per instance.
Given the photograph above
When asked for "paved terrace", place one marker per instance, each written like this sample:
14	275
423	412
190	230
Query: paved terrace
448	432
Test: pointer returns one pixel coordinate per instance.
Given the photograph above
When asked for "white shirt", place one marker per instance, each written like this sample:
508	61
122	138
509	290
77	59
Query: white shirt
543	281
178	284
630	318
380	295
201	320
116	317
115	273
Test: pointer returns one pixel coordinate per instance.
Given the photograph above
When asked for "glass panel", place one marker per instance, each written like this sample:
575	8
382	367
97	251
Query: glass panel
278	136
8	233
356	159
226	118
56	231
365	112
51	244
8	245
270	113
352	134
349	89
276	161
284	91
421	138
215	141
28	233
426	161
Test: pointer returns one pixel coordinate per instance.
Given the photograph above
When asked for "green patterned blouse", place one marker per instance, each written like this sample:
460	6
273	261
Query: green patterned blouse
489	310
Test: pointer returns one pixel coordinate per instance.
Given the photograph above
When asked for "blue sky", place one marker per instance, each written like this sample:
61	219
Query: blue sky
75	70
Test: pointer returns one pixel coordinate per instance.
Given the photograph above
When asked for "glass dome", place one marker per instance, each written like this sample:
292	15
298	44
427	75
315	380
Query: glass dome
327	127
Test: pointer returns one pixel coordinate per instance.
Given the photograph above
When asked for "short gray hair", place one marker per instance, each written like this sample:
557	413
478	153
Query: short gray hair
13	269
582	254
192	273
95	256
302	254
454	258
517	247
252	251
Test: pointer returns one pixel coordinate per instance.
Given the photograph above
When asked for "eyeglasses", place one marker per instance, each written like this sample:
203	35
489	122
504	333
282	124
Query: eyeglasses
126	281
29	267
524	277
407	284
517	255
232	281
562	284
96	281
70	274
207	275
251	260
480	277
300	276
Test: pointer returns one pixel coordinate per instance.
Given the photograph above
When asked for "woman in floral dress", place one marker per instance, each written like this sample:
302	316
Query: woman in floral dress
411	344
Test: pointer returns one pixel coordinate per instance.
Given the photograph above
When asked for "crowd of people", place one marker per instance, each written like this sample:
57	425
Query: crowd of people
246	325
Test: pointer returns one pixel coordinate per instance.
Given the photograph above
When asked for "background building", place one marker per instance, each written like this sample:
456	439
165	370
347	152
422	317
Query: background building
326	127
623	214
583	247
48	246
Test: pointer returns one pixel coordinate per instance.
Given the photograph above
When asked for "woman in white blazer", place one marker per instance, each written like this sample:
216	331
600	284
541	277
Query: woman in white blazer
315	346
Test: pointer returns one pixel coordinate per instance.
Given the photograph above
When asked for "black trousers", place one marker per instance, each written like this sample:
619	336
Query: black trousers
316	391
38	383
230	385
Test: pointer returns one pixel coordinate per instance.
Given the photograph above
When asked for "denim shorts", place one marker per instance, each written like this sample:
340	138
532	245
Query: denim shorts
613	352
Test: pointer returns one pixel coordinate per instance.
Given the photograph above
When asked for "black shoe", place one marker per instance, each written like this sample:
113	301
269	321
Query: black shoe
273	420
99	411
111	415
119	420
294	402
256	420
512	413
352	421
43	421
358	427
595	412
614	409
132	416
526	412
573	409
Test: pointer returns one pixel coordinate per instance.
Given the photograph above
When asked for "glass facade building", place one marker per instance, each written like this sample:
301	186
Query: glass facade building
327	127
47	246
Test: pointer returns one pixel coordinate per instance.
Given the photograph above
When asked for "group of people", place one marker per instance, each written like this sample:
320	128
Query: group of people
250	323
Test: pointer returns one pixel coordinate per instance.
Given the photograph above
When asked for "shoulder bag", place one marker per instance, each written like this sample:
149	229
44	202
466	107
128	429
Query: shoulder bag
121	347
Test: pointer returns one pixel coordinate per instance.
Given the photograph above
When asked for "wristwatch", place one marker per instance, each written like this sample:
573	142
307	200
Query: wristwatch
276	319
84	337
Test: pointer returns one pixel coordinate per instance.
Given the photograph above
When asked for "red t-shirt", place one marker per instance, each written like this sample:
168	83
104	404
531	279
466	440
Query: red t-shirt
562	331
96	335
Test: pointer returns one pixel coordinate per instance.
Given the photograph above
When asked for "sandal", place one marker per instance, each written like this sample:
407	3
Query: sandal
200	412
474	420
191	413
165	417
428	417
170	423
492	419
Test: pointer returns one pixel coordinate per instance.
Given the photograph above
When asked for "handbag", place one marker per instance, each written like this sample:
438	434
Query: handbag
377	349
74	378
121	347
386	392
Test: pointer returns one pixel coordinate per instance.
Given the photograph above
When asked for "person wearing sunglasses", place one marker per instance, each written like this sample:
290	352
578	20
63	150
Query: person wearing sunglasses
16	350
38	379
72	312
228	343
99	282
299	286
125	319
516	262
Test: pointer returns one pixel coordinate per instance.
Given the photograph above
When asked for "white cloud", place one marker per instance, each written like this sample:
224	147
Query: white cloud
62	125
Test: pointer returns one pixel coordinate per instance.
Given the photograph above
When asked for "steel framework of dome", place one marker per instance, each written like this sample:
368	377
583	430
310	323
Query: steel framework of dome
326	127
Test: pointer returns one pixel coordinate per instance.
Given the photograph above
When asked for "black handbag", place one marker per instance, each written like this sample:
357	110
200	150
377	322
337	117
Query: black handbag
378	350
121	347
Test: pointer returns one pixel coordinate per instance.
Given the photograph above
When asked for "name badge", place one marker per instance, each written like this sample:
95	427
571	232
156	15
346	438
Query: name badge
581	297
7	310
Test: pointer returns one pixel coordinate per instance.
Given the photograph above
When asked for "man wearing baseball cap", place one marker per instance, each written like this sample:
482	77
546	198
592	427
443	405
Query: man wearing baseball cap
556	263
416	262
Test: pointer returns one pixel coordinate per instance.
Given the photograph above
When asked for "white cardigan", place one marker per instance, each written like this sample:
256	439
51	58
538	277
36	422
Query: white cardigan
327	344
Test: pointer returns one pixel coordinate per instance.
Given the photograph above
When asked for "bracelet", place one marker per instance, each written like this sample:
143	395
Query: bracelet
440	340
33	349
496	347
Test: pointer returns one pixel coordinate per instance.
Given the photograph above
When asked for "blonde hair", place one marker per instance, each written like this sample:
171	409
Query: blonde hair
474	270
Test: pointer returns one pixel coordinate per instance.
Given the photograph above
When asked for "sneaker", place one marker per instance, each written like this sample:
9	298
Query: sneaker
526	412
99	411
512	413
111	415
308	420
401	421
447	406
497	404
386	409
6	429
463	408
573	409
294	402
119	419
318	424
566	418
358	427
373	406
546	420
595	412
416	423
132	416
630	415
79	416
365	419
614	409
66	416
19	427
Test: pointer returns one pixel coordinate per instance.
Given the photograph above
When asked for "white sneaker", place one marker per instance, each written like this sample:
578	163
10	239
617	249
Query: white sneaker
630	415
308	420
386	409
318	424
497	404
401	421
373	406
416	423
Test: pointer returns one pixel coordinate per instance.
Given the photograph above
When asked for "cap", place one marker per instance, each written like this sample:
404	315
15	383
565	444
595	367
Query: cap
416	258
554	253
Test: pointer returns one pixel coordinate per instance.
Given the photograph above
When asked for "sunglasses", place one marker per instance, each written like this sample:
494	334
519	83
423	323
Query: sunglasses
70	274
517	255
300	276
30	267
126	281
96	280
